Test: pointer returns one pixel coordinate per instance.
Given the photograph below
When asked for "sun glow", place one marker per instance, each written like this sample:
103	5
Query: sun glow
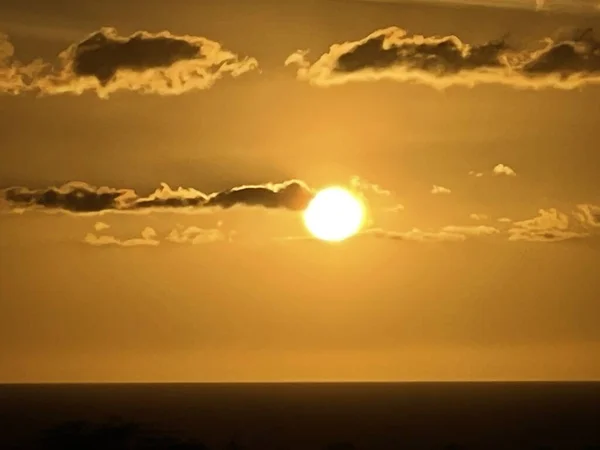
334	214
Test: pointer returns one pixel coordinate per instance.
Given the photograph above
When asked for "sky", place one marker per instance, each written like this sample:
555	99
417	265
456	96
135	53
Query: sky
156	157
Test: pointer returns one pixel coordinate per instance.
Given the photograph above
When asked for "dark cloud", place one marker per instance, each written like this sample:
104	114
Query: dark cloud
82	198
564	62
105	62
76	197
167	198
293	195
104	53
441	56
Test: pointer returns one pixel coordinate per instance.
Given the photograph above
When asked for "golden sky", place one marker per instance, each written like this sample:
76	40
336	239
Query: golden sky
155	160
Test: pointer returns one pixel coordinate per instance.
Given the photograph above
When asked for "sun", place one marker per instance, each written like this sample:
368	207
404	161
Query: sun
334	214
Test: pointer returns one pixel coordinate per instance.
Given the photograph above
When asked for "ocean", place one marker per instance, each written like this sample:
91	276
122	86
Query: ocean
333	416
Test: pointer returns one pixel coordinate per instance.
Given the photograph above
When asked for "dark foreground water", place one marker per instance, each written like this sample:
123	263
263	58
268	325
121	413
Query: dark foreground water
301	416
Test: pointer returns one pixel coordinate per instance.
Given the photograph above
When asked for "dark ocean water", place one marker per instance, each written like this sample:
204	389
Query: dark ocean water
301	416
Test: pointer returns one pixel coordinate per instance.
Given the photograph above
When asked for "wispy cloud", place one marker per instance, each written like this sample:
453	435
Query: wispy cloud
450	233
195	235
148	239
416	234
477	216
469	230
588	215
191	235
440	190
376	196
363	185
100	226
583	6
549	226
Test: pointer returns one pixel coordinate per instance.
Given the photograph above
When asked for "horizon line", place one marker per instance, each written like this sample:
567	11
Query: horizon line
305	382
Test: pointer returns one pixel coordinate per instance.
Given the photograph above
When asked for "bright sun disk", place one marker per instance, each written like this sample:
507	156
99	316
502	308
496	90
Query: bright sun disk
334	214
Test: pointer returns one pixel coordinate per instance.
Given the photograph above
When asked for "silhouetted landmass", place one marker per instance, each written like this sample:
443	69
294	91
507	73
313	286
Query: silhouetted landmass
341	446
112	435
117	434
434	416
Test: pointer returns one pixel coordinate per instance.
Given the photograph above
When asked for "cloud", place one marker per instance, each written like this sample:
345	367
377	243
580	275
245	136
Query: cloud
468	230
76	197
437	190
475	174
501	169
376	196
588	215
105	62
573	6
549	226
82	198
395	208
147	239
294	195
476	216
100	226
504	220
14	76
415	235
180	235
451	233
360	184
565	62
195	235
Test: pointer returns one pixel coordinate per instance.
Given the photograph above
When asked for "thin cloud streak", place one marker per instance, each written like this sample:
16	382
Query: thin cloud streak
148	239
573	6
195	235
